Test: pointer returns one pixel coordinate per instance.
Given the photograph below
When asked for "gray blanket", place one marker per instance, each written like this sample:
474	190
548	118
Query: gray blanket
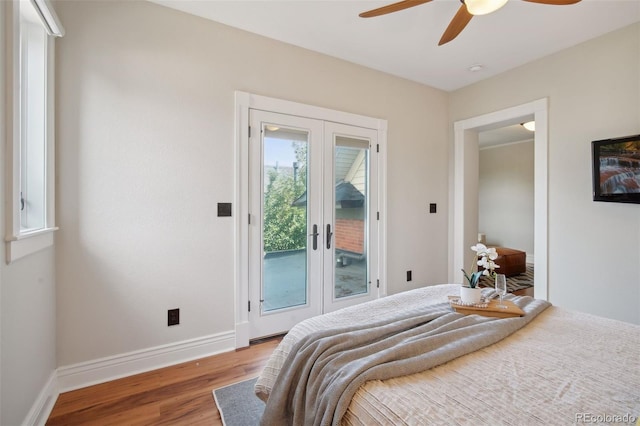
324	370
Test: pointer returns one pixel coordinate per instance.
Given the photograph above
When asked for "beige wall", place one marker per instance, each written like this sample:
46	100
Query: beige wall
593	91
27	302
28	333
505	196
146	150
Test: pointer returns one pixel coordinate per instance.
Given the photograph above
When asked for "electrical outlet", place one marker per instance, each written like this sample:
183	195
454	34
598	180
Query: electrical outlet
408	275
173	317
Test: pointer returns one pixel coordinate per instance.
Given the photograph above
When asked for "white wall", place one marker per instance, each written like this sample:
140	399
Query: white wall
505	195
593	92
27	303
146	150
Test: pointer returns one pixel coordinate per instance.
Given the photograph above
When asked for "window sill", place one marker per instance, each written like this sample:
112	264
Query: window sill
29	243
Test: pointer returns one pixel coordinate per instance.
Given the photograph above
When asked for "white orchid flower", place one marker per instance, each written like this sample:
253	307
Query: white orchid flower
491	265
488	265
485	258
482	262
492	253
481	249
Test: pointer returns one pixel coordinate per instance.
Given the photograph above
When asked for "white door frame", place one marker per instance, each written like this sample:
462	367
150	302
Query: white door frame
465	138
243	102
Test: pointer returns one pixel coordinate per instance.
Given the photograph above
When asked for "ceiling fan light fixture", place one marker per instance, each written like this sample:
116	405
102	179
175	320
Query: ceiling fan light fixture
483	7
529	125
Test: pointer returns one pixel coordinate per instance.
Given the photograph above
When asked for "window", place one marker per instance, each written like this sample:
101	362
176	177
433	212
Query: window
31	172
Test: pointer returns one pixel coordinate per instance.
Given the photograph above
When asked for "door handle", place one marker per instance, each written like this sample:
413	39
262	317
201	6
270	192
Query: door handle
329	235
315	237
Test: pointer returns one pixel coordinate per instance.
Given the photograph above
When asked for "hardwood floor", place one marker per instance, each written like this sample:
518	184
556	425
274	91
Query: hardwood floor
180	394
524	292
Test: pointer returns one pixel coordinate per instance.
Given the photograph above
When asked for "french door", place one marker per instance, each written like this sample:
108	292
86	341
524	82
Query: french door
312	242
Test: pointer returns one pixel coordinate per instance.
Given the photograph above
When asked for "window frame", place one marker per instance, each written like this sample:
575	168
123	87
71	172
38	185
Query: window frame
23	242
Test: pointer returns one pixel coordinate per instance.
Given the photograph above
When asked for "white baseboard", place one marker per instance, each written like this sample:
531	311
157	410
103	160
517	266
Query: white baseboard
41	408
530	258
115	367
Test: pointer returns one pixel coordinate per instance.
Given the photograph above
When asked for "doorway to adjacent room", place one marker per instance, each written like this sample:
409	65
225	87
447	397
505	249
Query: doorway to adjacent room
465	176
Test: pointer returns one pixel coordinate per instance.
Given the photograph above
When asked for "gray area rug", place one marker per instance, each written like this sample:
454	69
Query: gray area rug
517	282
238	405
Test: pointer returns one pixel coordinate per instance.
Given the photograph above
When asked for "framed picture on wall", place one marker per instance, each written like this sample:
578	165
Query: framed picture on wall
616	169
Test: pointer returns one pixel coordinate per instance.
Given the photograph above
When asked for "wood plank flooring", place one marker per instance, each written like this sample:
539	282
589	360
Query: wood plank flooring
524	292
177	395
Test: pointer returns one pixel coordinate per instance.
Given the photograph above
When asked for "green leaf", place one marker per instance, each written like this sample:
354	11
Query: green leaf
475	277
468	278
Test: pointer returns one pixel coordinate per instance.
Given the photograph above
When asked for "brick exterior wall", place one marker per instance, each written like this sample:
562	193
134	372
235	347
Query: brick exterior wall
349	235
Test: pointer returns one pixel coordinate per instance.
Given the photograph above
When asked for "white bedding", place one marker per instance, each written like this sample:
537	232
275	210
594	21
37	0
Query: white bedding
561	366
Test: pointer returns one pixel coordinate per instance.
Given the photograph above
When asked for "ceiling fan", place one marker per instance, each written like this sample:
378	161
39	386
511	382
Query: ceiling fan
468	9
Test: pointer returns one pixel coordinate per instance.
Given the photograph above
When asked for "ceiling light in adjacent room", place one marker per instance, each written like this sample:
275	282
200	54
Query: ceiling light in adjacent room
483	7
476	68
529	125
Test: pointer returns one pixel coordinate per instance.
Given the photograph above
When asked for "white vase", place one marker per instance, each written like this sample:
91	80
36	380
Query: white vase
470	295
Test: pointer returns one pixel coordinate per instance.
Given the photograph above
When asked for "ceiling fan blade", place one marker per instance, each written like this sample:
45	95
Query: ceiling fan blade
554	2
456	25
392	8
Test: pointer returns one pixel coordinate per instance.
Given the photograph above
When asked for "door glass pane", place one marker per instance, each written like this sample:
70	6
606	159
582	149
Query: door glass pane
284	224
351	216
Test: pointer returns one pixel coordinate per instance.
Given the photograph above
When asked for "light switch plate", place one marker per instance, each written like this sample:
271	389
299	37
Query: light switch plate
224	209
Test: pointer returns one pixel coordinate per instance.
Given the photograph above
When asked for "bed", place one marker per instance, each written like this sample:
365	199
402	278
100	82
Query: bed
562	367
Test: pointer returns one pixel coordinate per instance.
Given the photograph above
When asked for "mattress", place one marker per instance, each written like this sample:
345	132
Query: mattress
563	367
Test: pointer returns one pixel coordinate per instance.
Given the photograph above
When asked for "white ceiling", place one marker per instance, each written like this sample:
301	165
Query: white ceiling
405	43
504	135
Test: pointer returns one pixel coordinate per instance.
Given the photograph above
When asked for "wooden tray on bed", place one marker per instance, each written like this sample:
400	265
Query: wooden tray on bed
492	310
